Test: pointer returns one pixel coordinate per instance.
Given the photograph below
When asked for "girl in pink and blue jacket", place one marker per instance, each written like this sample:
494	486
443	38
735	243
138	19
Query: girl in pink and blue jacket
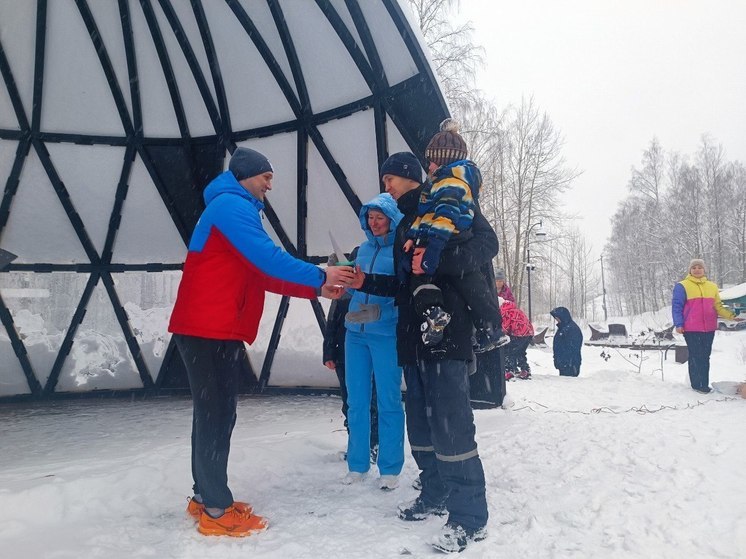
695	307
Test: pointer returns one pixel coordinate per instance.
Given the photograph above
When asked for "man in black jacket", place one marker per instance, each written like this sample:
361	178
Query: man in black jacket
440	422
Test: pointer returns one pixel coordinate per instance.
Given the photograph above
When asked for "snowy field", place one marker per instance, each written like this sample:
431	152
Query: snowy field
618	463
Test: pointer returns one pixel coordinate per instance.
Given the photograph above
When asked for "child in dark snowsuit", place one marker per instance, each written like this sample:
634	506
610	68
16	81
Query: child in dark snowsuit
567	343
444	217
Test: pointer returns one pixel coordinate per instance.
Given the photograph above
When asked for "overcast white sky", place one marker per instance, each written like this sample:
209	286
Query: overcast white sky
612	74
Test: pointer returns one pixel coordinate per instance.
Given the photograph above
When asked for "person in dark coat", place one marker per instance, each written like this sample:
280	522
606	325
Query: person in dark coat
440	422
334	359
567	343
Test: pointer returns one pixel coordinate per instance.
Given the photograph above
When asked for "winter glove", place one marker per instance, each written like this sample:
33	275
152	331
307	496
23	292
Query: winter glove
430	258
503	338
367	313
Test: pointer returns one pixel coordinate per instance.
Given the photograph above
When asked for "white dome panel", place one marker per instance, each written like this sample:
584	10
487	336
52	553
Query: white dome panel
358	159
393	53
42	307
158	114
38	229
99	358
76	95
261	16
331	76
328	210
148	299
195	109
188	21
12	379
298	358
109	24
18	33
147	232
90	174
8	117
340	7
7	158
254	98
394	138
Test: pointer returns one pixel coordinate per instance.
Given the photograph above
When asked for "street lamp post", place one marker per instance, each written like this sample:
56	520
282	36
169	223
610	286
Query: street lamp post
603	289
529	266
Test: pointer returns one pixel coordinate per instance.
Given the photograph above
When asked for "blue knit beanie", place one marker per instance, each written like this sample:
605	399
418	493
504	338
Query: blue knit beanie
403	164
246	163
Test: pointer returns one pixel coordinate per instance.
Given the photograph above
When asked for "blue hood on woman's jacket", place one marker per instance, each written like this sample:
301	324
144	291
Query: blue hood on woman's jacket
387	205
376	256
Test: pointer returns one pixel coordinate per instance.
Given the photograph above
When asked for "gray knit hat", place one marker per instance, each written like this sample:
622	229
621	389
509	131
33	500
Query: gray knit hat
246	163
500	274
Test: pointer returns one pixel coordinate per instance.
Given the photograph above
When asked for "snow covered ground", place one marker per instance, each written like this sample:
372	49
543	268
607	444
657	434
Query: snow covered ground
614	464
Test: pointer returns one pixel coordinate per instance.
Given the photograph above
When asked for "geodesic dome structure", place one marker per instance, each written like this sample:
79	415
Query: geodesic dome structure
113	118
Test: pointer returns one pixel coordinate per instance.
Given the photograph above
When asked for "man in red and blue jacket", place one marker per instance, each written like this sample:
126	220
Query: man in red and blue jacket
230	265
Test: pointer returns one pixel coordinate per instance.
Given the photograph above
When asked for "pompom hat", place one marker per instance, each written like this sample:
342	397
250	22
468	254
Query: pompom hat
447	145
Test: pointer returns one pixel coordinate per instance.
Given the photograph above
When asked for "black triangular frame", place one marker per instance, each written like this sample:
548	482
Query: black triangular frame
204	156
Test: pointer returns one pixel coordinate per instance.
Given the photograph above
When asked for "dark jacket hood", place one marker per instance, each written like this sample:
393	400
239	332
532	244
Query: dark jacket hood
562	314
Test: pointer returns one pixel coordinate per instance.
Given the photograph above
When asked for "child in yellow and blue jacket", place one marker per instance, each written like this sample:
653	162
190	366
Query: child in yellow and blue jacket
445	214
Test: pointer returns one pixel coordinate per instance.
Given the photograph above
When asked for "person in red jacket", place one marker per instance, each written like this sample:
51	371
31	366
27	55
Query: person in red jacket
503	290
516	325
230	265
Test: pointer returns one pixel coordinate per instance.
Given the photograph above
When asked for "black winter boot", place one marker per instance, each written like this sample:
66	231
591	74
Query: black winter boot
419	510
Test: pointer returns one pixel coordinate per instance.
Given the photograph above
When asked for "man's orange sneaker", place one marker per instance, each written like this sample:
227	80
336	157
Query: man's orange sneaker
232	523
194	508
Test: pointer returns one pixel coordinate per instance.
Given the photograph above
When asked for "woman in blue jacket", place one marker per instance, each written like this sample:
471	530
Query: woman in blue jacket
371	346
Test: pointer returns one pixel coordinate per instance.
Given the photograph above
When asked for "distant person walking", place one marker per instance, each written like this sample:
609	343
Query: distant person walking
568	341
516	325
230	265
503	289
695	307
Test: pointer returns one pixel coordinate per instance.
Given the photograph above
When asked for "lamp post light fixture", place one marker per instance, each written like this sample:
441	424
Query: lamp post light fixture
540	233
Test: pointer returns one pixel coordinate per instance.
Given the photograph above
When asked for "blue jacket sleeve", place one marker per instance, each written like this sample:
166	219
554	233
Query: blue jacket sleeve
242	226
677	305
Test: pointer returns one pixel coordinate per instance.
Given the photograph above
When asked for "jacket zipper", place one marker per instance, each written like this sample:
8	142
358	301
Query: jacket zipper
370	271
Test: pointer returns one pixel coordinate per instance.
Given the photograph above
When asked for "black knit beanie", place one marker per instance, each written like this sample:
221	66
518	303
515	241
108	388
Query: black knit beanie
403	164
246	163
